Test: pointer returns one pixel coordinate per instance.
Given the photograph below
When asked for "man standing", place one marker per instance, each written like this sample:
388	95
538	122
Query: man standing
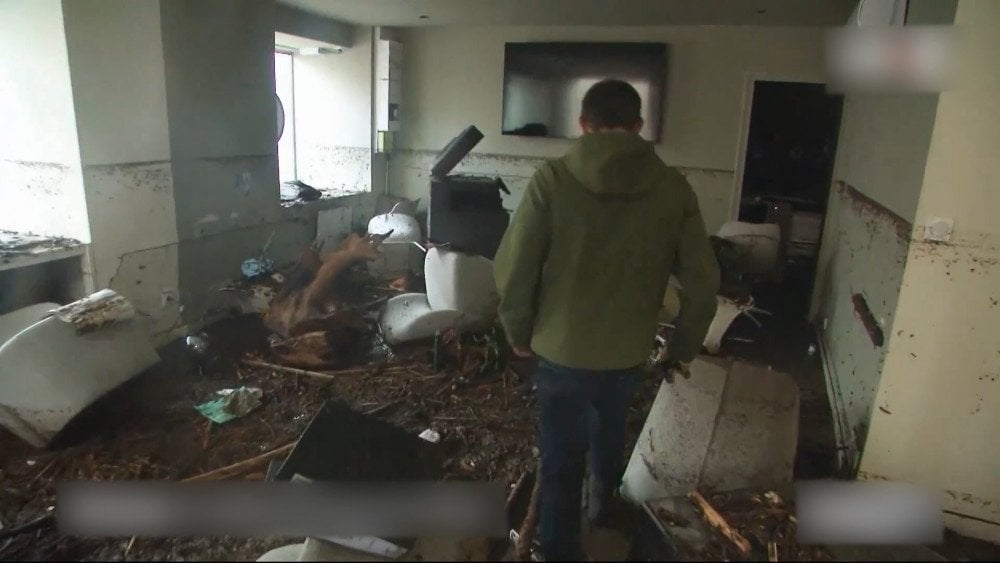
581	272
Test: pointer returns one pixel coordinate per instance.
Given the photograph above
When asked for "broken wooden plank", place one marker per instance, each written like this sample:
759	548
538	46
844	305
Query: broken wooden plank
286	369
229	470
713	517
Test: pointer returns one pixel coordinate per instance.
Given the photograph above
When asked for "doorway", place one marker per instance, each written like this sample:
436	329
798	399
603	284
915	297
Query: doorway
787	169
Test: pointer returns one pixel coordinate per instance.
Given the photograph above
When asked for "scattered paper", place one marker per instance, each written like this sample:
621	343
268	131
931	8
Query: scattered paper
232	403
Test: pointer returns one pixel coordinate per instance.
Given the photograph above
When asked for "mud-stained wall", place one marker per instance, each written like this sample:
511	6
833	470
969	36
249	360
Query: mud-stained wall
878	177
41	189
224	168
938	398
135	237
44	198
334	170
409	176
869	245
125	153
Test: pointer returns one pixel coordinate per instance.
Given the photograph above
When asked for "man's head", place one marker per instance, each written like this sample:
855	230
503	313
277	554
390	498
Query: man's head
611	105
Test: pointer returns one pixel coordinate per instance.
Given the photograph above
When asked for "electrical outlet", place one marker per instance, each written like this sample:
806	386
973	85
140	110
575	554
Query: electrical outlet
169	296
938	229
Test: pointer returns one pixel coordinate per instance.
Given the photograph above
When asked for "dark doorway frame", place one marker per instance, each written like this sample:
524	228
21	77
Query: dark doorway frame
751	81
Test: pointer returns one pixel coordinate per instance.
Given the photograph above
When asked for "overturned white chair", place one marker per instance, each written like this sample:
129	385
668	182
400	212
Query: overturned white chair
51	368
461	293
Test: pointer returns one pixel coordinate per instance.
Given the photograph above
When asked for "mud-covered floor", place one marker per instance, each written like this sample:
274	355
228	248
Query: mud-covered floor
149	429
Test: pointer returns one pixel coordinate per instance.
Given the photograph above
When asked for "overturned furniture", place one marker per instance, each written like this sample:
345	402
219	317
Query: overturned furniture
731	425
466	212
461	293
342	445
741	249
55	361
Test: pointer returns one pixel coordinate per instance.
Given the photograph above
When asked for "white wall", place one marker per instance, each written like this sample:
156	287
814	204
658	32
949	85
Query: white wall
333	104
886	139
453	77
939	406
121	110
119	91
41	187
878	177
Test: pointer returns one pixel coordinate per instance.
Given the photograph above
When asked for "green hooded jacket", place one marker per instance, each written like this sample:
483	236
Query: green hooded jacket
584	265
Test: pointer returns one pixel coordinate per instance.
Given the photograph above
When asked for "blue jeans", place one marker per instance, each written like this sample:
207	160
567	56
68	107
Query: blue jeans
578	409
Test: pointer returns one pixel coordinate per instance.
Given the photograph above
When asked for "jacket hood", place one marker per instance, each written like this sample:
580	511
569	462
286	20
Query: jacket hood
612	162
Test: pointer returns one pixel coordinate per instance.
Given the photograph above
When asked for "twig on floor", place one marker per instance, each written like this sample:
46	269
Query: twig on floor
713	517
379	409
328	374
42	472
128	548
233	469
208	435
526	534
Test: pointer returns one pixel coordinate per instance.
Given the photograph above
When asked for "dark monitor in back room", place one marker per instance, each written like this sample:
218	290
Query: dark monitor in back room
544	84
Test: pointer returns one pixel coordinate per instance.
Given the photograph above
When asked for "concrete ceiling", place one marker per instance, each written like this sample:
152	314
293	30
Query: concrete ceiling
582	12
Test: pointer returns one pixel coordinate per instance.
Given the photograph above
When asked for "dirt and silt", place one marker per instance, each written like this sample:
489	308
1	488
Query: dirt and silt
482	407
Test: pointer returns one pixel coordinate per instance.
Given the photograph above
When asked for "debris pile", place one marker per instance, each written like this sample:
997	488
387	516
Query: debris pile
15	244
744	525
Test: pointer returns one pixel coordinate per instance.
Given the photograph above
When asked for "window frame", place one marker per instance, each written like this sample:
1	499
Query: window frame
289	108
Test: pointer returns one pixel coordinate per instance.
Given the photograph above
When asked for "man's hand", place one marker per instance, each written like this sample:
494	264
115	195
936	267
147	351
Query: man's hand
522	352
670	368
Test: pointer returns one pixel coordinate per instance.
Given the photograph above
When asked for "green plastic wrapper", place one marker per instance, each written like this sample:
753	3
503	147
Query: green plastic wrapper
232	403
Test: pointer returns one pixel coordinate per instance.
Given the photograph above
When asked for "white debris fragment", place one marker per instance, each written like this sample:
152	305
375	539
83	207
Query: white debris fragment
95	311
430	436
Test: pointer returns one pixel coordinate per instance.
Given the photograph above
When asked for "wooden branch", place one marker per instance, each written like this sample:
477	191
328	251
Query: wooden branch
230	470
526	535
381	408
713	517
369	370
325	375
517	489
286	369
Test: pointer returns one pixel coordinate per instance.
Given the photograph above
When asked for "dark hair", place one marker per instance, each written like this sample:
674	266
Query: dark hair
611	104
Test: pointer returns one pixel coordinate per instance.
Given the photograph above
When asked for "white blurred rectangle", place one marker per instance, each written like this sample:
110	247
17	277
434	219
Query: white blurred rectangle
920	59
281	509
867	513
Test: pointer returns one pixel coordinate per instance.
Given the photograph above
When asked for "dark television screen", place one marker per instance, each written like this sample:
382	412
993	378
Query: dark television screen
544	83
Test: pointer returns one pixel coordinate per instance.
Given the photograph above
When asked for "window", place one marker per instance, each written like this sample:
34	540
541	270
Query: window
325	93
284	82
